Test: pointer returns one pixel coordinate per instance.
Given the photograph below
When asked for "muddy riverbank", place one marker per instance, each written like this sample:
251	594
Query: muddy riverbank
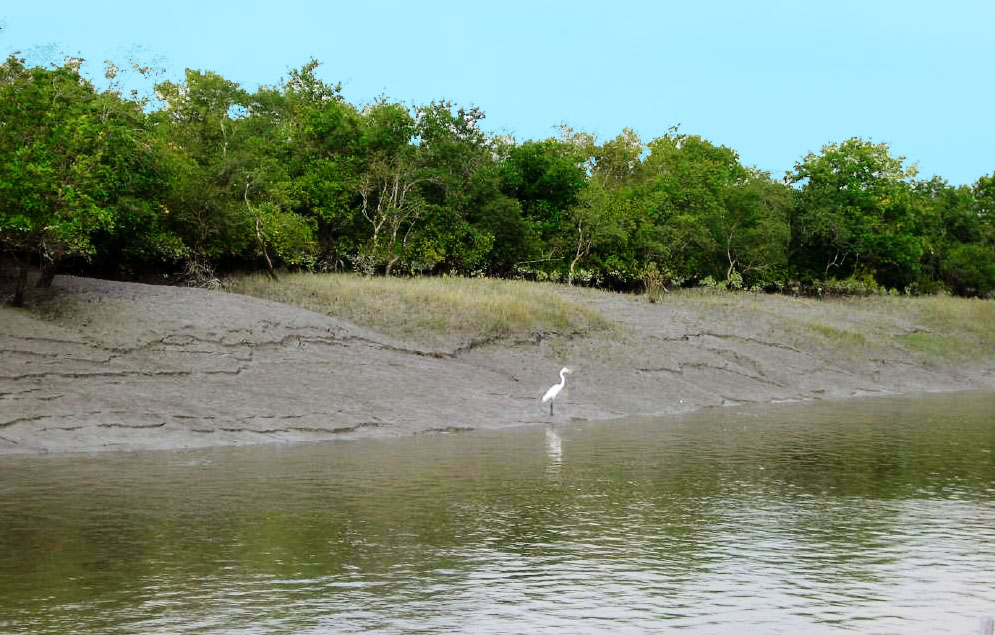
98	365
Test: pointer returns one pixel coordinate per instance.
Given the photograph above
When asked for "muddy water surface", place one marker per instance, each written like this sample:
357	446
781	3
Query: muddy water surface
866	516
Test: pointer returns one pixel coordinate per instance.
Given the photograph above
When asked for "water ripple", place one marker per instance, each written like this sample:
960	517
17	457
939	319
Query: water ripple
862	517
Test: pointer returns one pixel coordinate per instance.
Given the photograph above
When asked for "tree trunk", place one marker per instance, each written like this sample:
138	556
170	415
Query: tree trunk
47	275
21	285
570	275
583	248
260	237
262	246
390	265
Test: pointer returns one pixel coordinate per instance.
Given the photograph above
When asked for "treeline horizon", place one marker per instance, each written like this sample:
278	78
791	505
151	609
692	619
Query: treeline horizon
292	176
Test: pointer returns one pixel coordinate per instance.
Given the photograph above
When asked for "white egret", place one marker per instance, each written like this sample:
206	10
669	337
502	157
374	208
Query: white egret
555	389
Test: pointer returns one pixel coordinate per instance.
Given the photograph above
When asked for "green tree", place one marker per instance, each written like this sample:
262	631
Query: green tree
687	184
390	199
264	162
946	218
595	223
545	177
456	158
323	138
76	162
499	220
234	195
206	205
968	269
984	195
959	235
617	162
755	229
137	175
854	214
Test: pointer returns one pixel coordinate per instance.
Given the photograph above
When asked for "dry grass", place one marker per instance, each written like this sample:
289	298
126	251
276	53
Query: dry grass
933	328
953	329
429	308
437	310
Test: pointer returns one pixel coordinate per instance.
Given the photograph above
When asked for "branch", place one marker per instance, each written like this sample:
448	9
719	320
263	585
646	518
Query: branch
835	258
260	237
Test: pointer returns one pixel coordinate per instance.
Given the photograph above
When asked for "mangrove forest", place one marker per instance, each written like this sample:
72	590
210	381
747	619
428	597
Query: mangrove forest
202	174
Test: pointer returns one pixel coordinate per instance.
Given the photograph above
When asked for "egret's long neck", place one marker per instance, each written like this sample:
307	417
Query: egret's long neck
563	378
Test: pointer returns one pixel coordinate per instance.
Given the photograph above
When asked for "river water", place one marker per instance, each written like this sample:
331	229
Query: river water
871	516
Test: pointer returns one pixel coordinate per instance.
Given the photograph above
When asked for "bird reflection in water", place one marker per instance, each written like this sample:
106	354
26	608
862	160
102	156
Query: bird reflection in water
554	450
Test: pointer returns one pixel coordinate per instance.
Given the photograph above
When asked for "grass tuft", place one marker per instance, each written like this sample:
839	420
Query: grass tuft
441	310
931	328
429	308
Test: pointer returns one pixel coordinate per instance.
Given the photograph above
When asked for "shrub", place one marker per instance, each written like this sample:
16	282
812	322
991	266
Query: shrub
653	281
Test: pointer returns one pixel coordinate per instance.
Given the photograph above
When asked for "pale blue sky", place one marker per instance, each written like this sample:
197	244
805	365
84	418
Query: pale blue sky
772	79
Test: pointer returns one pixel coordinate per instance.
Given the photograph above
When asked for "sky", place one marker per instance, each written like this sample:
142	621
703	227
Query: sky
771	79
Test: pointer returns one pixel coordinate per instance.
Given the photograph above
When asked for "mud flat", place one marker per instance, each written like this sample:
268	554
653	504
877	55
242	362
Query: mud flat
98	365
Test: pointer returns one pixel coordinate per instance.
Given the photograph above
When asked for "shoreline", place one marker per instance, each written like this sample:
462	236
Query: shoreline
96	365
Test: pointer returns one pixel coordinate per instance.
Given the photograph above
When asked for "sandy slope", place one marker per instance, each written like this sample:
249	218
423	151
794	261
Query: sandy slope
107	365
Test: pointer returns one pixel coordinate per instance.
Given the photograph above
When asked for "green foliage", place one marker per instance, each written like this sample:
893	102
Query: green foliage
968	270
855	213
289	235
81	169
293	176
545	177
594	223
53	146
616	162
984	194
199	125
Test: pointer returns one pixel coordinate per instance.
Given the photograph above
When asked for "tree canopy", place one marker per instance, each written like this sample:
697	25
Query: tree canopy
294	176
